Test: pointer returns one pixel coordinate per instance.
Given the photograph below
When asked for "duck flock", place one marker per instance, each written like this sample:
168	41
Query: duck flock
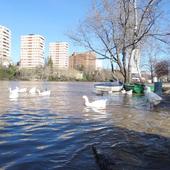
34	91
152	98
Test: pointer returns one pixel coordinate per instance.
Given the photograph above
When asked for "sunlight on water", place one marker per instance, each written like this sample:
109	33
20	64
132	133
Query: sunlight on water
57	132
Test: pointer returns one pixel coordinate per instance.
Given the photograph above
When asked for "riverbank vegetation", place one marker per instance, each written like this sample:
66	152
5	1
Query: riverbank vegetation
9	73
50	73
53	74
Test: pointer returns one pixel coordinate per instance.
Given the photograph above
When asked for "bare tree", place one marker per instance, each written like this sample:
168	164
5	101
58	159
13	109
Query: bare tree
151	66
151	56
161	68
116	29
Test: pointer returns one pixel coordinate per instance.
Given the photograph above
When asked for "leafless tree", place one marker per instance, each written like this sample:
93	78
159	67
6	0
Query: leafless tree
151	56
116	29
161	68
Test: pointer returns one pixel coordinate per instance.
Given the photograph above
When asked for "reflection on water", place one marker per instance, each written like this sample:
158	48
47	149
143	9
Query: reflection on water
57	132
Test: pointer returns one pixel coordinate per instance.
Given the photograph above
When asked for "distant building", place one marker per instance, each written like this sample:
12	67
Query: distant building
58	52
83	61
5	46
99	65
32	51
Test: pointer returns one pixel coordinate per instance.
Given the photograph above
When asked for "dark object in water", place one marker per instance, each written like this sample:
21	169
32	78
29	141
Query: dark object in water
133	156
104	162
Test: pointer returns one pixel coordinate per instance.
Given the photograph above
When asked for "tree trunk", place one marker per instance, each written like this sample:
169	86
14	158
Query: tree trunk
113	71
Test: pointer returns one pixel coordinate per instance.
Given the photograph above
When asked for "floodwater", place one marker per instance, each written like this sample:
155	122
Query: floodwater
58	132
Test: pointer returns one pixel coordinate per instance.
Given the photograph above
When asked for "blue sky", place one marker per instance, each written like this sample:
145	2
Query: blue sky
49	18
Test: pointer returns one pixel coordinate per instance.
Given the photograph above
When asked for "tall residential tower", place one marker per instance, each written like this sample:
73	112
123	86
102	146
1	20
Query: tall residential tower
5	46
32	51
58	52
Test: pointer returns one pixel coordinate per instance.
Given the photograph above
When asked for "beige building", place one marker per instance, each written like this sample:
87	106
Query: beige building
32	51
5	46
58	52
83	61
99	64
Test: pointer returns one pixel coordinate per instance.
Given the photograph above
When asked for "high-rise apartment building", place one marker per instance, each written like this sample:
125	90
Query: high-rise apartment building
32	51
5	45
58	52
83	61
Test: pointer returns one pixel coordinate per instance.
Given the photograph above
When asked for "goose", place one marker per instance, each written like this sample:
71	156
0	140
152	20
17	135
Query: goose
123	91
32	91
152	97
13	94
12	91
44	93
22	90
129	92
98	104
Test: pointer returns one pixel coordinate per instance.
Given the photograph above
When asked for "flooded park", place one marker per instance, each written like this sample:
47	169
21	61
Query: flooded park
59	132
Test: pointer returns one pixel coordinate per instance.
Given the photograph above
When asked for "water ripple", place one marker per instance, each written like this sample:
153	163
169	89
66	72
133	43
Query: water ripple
58	132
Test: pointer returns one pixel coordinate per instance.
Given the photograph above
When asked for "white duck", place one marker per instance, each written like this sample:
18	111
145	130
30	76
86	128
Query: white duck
13	94
22	90
129	92
44	93
152	97
32	91
123	91
98	104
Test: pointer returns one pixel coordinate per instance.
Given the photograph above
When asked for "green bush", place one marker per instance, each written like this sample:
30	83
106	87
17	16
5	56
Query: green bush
8	73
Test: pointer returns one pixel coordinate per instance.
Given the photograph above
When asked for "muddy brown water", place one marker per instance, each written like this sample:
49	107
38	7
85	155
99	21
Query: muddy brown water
58	132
